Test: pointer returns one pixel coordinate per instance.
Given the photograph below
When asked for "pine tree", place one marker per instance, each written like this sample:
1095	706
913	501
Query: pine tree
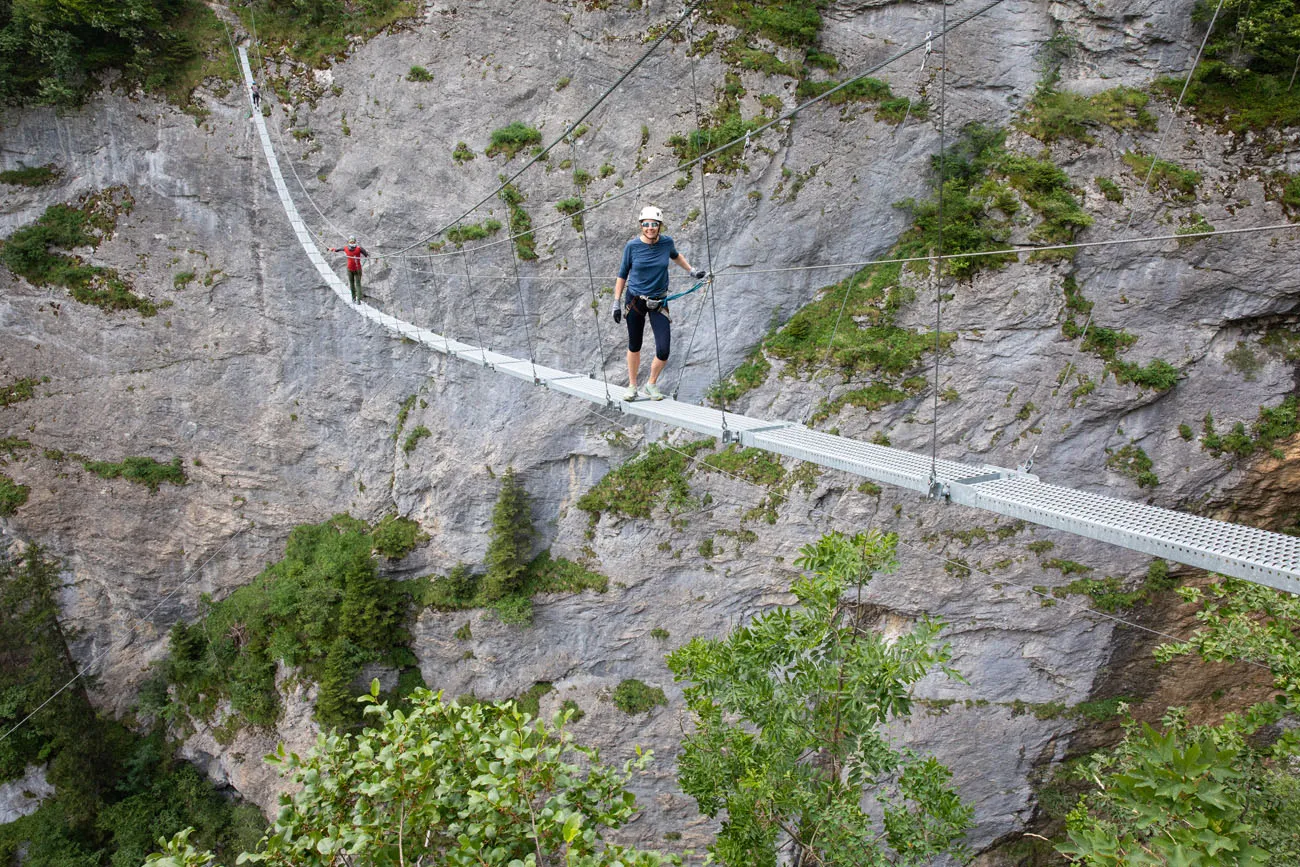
335	706
511	541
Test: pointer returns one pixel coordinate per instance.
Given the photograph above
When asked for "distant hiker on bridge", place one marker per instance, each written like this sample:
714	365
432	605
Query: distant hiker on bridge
257	97
644	273
354	252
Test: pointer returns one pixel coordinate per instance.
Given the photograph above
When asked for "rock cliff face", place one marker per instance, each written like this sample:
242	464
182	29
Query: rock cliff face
282	405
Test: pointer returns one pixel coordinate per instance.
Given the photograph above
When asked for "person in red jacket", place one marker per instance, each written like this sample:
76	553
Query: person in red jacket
354	252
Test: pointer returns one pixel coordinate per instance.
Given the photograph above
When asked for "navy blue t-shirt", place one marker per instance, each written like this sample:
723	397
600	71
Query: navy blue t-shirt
645	266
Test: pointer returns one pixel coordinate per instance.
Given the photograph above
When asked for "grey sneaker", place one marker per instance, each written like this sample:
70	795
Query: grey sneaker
631	393
654	392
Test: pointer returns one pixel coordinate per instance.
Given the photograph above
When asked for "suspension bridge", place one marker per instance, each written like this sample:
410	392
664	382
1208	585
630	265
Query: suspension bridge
1260	556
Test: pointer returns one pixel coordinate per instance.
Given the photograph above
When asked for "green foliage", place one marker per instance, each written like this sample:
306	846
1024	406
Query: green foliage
1109	189
530	701
413	439
461	589
141	470
455	591
1243	360
314	31
723	127
877	346
12	496
1210	794
459	783
18	391
1177	183
757	60
1132	461
473	231
27	253
573	206
1193	224
891	109
559	575
867	342
33	665
322	609
520	223
632	696
513	138
756	466
1158	374
789	23
1054	115
983	187
1247	81
1258	35
814	682
462	153
751	373
31	176
115	791
659	633
656	476
402	412
1108	343
396	537
1273	424
1172	797
54	52
510	540
1290	197
419	73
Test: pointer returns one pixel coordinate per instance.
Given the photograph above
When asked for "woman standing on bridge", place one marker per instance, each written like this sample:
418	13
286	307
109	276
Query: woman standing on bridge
644	273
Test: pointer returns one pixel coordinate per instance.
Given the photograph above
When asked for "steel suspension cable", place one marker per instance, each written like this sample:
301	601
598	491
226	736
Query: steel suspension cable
523	309
937	271
591	286
708	250
473	300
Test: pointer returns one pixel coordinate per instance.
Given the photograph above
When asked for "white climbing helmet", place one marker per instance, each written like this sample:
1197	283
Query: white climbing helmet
650	212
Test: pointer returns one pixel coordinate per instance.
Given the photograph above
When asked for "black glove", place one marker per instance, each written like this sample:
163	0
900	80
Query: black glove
618	313
699	273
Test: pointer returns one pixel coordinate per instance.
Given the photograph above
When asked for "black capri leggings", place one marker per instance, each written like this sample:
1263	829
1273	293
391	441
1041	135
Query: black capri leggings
659	324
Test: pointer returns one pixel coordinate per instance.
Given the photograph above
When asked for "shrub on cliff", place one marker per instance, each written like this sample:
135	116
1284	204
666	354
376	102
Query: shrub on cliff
471	783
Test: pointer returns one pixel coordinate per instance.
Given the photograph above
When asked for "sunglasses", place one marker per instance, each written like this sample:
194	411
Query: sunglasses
649	224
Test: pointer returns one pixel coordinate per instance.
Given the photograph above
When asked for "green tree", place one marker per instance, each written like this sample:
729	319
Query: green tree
462	784
45	712
50	50
1172	797
510	541
1261	35
788	714
1205	795
334	704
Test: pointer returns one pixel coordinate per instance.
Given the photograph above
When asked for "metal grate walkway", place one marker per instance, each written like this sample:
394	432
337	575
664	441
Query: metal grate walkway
1272	559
